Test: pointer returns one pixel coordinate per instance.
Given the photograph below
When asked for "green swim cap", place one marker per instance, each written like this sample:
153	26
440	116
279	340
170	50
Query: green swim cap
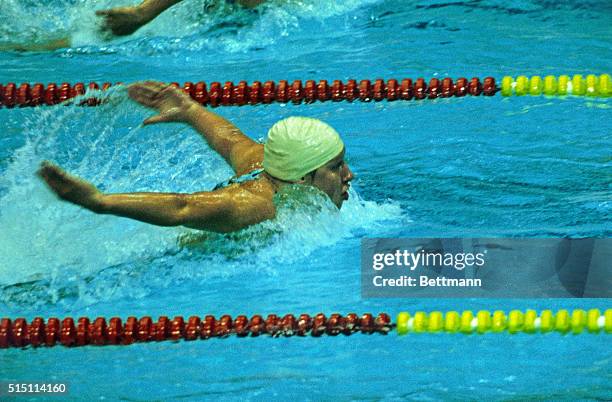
298	145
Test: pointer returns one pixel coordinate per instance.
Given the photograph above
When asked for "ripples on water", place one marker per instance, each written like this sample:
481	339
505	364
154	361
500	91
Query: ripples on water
491	176
469	167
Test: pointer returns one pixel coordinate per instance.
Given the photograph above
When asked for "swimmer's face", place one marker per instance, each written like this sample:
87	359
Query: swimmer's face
333	179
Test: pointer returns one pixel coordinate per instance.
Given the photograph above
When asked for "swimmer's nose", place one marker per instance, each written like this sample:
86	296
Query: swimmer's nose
349	174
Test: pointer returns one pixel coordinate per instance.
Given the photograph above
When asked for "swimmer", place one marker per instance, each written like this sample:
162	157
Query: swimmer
120	21
127	20
298	150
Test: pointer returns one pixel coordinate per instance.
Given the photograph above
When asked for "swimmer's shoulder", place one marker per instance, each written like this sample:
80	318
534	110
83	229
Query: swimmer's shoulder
254	198
259	188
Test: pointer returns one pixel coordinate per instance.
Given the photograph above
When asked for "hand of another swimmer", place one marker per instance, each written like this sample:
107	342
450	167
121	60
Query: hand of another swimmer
70	188
171	103
122	20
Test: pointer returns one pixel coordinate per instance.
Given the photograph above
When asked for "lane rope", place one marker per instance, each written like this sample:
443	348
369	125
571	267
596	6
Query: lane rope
19	333
228	94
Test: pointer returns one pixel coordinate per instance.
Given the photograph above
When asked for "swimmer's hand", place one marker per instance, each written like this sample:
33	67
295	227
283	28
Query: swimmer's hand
172	103
126	20
70	188
122	21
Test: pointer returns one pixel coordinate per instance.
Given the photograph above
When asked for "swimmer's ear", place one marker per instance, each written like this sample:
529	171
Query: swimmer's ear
310	176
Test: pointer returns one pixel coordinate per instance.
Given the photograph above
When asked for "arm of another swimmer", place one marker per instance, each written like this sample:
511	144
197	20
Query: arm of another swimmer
126	20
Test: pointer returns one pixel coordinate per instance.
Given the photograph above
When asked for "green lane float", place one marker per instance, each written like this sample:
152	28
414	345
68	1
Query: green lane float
576	322
577	85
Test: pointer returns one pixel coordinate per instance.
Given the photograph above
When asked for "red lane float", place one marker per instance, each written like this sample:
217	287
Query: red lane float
241	94
20	334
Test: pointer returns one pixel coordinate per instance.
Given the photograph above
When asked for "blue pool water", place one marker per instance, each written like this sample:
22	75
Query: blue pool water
530	166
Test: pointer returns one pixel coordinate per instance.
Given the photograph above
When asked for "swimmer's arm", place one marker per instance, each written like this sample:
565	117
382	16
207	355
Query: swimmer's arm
150	9
238	150
127	20
53	44
173	105
153	8
224	210
216	211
